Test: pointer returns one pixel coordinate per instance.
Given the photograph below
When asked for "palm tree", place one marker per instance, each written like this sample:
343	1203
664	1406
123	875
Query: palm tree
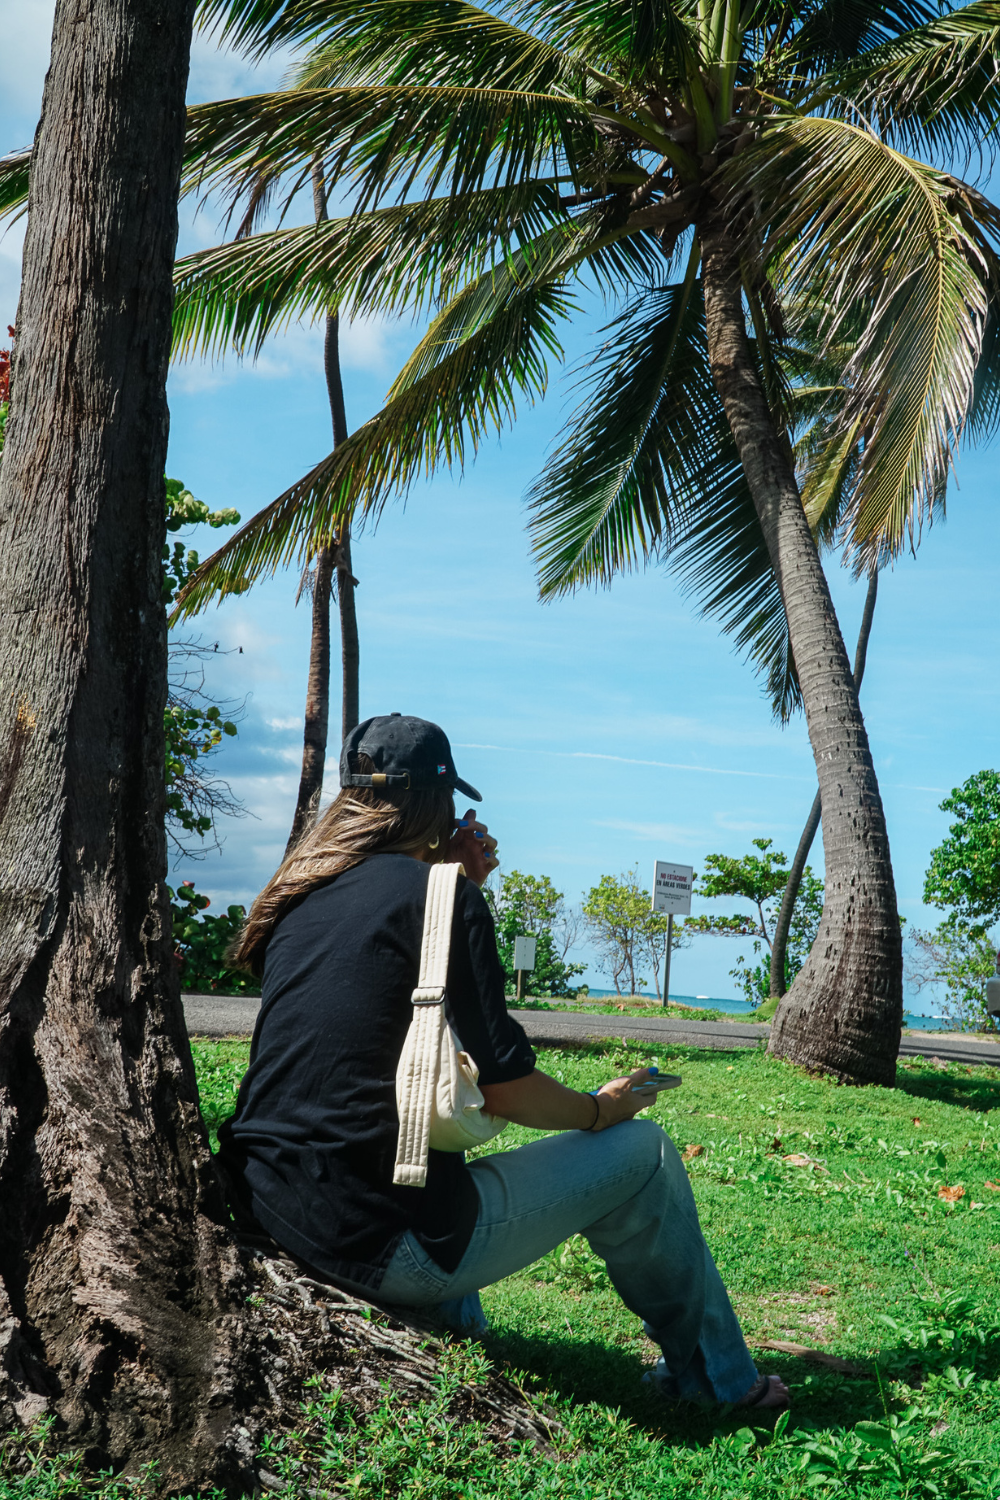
728	173
332	561
782	926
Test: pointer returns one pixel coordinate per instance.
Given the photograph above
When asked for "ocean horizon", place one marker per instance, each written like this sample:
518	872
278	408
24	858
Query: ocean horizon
743	1008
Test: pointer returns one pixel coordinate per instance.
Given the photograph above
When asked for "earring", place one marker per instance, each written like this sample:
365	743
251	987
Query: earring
435	843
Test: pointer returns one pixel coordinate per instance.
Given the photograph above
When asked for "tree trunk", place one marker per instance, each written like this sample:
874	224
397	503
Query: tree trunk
788	900
335	556
845	1014
120	1292
317	702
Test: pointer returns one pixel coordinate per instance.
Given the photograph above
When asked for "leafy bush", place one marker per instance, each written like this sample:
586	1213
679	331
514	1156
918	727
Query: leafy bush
201	944
964	872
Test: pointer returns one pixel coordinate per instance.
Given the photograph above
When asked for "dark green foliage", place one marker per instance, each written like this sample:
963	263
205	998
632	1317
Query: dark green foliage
201	943
964	872
191	732
963	878
184	510
193	725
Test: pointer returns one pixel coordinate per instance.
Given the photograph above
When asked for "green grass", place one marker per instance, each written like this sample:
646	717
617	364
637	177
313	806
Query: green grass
854	1254
631	1005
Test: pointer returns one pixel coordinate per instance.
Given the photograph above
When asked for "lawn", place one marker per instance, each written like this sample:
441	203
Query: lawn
860	1223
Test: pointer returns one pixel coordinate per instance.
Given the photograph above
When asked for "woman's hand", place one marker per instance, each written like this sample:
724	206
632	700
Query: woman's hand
616	1101
472	846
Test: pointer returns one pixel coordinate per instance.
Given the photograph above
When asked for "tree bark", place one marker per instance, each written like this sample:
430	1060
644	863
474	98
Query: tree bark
791	893
335	556
120	1291
845	1014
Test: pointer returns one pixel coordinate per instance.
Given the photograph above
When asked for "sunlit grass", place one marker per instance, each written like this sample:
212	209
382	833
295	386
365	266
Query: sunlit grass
823	1207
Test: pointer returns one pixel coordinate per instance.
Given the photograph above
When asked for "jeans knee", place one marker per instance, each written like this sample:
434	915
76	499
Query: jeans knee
648	1143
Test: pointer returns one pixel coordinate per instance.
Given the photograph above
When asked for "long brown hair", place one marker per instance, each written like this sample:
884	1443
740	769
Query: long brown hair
357	824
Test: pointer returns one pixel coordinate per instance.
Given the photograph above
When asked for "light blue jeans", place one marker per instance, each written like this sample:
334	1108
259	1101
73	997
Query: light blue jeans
627	1191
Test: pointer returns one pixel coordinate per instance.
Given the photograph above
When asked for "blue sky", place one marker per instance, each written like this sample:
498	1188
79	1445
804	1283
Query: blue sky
606	730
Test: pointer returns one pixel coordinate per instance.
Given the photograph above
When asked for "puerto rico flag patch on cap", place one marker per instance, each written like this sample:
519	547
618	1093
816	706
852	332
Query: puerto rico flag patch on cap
442	770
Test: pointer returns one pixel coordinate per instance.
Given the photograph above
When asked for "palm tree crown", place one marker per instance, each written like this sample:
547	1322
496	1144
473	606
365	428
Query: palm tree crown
495	160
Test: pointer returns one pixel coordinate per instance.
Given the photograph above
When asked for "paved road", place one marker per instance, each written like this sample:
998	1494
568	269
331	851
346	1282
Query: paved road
221	1015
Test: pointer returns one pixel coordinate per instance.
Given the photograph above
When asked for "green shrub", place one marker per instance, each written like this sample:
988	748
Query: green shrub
201	944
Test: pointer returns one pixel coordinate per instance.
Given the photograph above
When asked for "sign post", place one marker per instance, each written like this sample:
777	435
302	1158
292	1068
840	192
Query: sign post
672	894
524	959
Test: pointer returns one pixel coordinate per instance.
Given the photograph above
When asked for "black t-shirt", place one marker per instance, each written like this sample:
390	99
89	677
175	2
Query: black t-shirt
313	1140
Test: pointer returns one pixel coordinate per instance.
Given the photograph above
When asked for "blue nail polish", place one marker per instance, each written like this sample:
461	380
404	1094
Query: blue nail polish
653	1069
479	834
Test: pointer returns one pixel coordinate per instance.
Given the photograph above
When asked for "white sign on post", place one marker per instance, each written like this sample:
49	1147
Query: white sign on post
672	888
524	952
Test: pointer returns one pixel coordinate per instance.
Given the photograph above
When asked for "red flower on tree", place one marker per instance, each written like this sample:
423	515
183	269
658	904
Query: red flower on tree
5	371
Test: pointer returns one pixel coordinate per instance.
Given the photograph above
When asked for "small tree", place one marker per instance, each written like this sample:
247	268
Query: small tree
193	725
625	932
963	878
960	957
964	872
531	905
761	879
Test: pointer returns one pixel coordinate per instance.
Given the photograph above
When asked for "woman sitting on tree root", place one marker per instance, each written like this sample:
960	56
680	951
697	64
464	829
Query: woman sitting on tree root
336	937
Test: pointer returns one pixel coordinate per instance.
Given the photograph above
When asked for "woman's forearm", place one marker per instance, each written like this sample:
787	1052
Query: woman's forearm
541	1102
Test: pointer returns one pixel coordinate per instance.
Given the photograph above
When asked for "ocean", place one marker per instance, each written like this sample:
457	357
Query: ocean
741	1008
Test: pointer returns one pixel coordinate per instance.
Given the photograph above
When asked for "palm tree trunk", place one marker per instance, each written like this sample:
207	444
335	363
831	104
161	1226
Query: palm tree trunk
335	556
122	1301
788	900
845	1014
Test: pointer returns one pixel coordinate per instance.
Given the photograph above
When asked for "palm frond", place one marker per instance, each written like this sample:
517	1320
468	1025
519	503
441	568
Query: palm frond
409	256
461	383
826	461
428	42
622	38
835	32
255	26
866	235
379	141
14	183
937	84
650	469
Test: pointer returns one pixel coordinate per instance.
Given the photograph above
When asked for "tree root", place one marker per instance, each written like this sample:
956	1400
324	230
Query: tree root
309	1331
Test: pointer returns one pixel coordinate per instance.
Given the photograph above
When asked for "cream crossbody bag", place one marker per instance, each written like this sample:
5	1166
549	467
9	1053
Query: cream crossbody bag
437	1093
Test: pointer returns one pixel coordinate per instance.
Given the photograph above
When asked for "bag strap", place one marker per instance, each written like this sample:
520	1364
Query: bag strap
416	1075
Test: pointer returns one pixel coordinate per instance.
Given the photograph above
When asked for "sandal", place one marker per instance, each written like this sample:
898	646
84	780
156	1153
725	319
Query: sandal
760	1388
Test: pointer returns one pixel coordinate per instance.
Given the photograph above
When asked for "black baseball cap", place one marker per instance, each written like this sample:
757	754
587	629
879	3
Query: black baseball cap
406	752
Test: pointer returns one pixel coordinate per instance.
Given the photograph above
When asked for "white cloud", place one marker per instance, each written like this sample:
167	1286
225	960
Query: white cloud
292	722
221	73
371	345
666	833
11	244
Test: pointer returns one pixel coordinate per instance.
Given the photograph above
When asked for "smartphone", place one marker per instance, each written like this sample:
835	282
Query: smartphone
658	1084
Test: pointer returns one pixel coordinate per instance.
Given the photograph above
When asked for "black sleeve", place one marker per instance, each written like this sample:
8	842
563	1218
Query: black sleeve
475	1004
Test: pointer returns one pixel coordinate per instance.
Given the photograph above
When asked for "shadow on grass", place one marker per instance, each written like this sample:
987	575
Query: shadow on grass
585	1371
970	1088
